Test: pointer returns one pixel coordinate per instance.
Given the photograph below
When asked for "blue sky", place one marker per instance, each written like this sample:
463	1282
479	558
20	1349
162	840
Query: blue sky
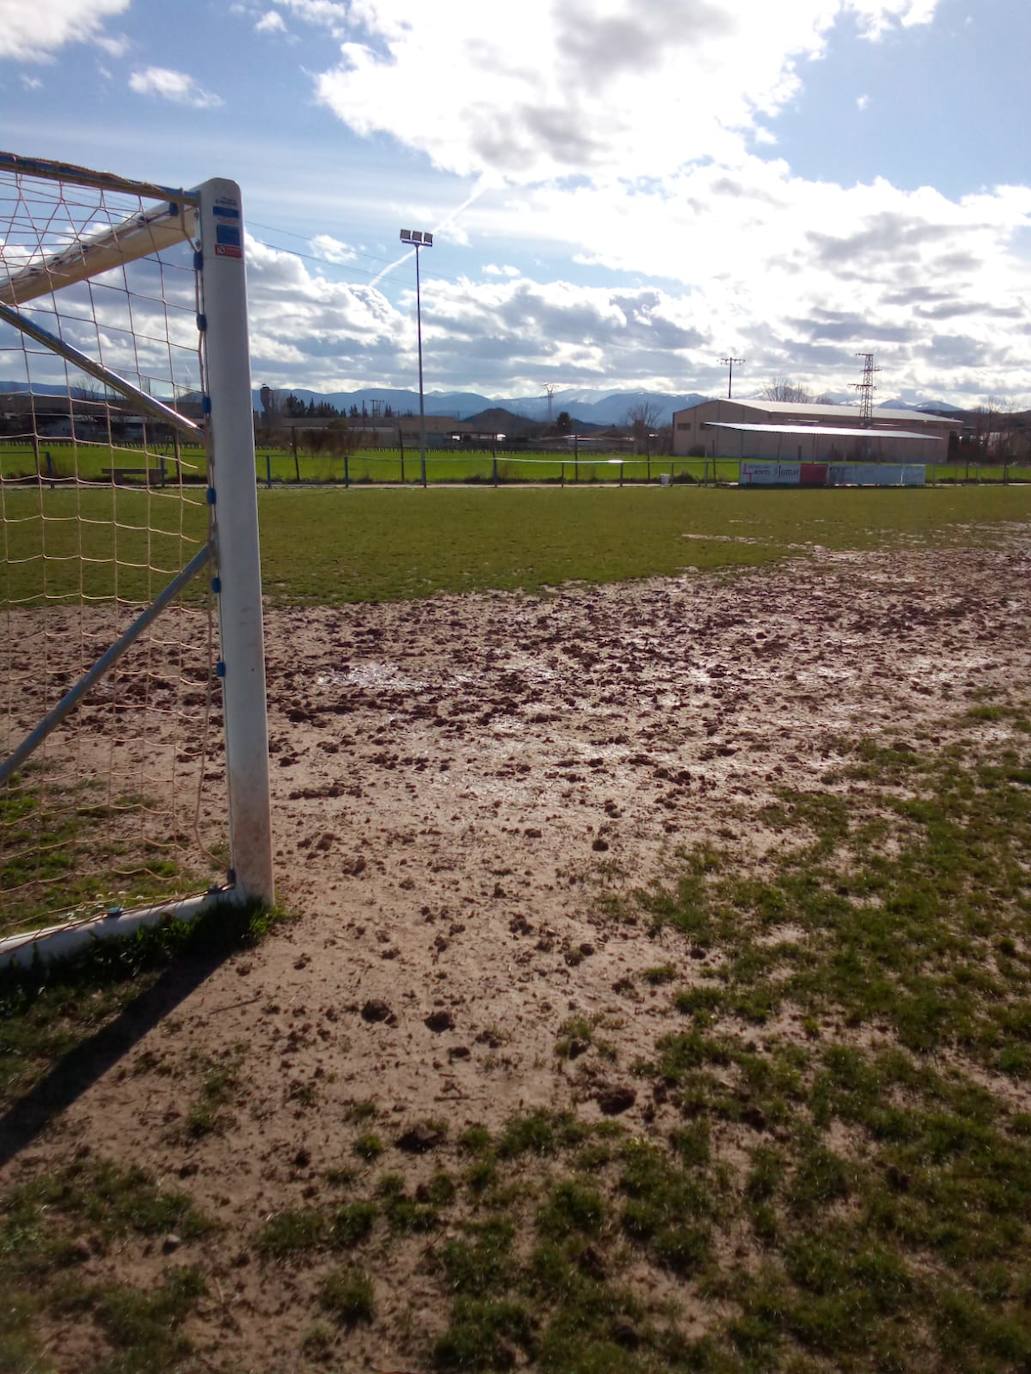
623	190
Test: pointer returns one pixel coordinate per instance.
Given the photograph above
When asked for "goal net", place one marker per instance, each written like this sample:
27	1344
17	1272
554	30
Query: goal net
133	737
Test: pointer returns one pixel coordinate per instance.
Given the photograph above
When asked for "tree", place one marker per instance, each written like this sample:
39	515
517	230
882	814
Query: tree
1006	437
642	418
564	423
784	390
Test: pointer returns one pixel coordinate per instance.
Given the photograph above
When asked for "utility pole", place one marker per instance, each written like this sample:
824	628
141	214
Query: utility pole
866	389
416	239
729	363
549	387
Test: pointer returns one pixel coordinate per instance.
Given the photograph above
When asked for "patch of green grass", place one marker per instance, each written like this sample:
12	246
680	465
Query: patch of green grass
317	1342
144	1324
667	1209
574	1037
571	1207
45	1221
61	844
347	1295
296	1231
484	1334
887	1210
659	974
923	937
45	1011
352	1223
41	1216
219	1081
475	1140
359	1113
407	1214
368	1146
481	1261
539	1133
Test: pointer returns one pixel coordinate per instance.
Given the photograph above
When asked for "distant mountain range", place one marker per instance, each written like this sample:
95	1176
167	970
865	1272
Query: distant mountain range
596	407
590	406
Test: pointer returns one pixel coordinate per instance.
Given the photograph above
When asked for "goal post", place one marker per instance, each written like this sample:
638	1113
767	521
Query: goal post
233	484
130	582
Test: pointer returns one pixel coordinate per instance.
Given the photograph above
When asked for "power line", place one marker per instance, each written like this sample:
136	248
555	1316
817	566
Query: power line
312	257
307	238
729	363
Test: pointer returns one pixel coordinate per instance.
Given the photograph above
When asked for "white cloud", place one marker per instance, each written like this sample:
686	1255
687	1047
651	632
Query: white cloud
333	250
798	275
862	102
177	87
587	87
328	14
31	83
115	45
616	136
270	22
33	30
877	16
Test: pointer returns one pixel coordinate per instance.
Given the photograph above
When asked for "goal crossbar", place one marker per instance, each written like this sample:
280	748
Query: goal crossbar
74	175
86	364
139	236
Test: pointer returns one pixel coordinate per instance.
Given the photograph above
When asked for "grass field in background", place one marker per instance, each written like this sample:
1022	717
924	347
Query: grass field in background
442	465
324	547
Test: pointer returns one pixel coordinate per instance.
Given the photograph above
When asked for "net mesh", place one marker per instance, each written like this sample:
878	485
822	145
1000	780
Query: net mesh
101	505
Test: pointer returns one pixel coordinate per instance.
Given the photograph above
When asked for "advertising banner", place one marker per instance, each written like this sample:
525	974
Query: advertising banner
769	474
877	475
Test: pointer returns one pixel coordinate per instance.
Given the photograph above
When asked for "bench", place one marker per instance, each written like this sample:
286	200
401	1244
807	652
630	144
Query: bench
122	477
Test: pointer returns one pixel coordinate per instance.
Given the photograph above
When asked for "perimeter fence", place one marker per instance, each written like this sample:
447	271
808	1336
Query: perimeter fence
51	460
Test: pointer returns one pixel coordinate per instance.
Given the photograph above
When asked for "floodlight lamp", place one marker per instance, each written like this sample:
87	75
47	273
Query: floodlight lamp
416	236
427	240
406	235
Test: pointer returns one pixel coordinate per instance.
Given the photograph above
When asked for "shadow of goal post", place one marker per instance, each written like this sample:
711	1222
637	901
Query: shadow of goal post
210	217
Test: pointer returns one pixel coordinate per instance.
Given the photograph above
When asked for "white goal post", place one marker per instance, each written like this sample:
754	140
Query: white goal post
83	288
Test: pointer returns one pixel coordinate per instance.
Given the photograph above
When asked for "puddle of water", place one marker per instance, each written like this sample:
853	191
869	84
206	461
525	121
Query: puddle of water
374	675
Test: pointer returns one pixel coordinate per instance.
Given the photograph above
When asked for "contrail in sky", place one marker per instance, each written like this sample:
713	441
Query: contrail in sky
478	190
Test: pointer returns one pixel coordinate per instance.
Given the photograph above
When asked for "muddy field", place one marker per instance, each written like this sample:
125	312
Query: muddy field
460	785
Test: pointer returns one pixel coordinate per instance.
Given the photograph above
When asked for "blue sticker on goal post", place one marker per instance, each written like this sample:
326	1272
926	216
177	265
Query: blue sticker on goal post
228	242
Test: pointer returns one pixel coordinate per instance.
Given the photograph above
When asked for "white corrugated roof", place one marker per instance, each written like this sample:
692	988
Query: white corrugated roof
827	430
832	412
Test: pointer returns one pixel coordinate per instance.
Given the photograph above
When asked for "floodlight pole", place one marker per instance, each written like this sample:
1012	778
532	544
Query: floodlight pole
417	240
422	399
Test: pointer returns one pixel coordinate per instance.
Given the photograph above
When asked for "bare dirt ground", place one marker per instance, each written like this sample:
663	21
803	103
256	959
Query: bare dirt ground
456	782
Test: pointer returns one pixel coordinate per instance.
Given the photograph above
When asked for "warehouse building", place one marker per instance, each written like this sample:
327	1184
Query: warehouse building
808	432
